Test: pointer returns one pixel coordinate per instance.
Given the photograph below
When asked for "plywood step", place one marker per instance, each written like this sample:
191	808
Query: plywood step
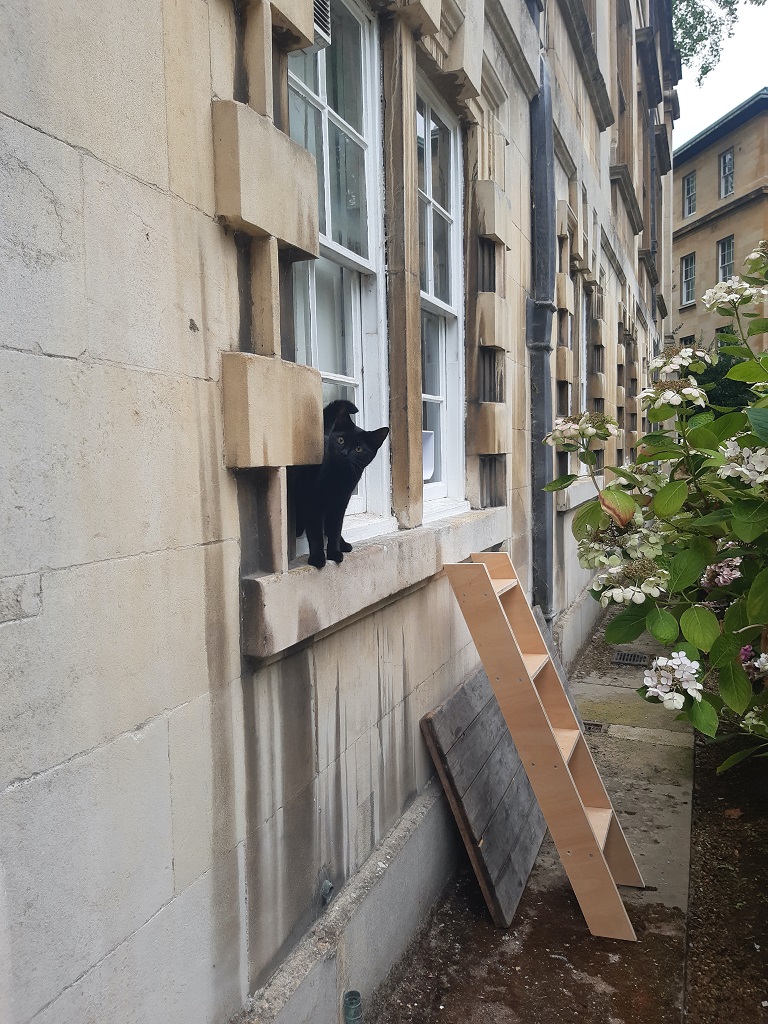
502	586
566	741
600	820
534	663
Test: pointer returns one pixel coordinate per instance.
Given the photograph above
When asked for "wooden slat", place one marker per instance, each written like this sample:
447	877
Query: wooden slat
534	663
600	820
566	741
502	586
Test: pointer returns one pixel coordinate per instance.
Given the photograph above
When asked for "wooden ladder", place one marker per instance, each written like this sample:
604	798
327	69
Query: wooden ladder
549	740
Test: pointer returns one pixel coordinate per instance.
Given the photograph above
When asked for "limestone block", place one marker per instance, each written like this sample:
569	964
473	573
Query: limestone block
87	852
564	293
295	22
492	321
273	412
78	674
337	799
564	363
494	212
188	101
207	759
423	15
186	964
488	428
280	729
465	55
596	386
249	194
222	34
105	462
20	597
90	75
161	278
42	270
471	531
620	395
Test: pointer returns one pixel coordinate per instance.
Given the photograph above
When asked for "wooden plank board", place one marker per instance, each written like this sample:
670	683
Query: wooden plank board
489	792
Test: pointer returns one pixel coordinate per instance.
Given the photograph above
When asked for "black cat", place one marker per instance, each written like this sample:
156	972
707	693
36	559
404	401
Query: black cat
323	492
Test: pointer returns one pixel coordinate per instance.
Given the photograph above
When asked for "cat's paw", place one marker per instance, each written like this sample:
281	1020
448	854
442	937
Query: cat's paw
335	556
317	560
344	545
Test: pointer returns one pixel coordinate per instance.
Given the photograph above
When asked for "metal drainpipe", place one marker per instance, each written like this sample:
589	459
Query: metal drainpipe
538	338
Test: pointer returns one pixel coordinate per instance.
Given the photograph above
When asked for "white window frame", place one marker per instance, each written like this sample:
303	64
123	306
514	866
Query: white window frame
689	194
369	512
726	175
447	496
688	284
725	247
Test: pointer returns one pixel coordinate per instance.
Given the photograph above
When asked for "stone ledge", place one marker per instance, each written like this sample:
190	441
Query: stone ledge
283	609
494	212
488	428
492	321
622	177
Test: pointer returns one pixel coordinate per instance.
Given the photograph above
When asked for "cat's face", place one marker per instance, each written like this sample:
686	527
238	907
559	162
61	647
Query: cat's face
352	449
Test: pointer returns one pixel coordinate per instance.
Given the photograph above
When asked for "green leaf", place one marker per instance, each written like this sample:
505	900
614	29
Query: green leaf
704	547
748	531
736	616
664	412
758	419
657	439
625	475
703	717
627	626
740	755
758	326
662	625
588	458
720	515
685	569
735	687
562	482
703	438
700	626
670	498
689	650
724	650
757	598
751	373
589	517
750	510
726	426
701	418
619	505
737	350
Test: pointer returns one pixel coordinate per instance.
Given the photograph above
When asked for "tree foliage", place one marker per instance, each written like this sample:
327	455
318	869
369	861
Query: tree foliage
701	28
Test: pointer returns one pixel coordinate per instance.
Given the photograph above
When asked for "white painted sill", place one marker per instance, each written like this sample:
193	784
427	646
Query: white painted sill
580	491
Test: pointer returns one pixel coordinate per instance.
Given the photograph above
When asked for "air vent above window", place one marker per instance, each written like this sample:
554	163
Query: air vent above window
322	14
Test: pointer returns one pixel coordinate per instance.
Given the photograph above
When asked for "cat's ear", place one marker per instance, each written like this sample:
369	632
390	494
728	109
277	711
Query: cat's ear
377	437
337	413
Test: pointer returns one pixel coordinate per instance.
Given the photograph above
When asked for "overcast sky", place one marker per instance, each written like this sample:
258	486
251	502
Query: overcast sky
742	71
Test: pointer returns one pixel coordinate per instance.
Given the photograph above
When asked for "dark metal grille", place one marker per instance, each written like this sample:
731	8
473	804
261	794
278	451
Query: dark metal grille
630	658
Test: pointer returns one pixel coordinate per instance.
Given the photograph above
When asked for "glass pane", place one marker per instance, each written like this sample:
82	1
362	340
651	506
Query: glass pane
304	66
332	390
430	354
334	342
421	140
431	418
423	281
441	162
344	67
349	223
305	123
301	316
441	257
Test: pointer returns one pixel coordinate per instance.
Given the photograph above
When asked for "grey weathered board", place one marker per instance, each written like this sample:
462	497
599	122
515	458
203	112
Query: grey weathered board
489	792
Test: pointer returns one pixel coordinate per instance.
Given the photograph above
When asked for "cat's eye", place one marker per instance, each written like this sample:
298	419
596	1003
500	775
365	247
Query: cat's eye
359	448
340	440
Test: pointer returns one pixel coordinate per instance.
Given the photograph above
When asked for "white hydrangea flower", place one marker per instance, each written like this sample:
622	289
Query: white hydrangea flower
670	679
747	464
761	663
678	360
630	582
733	292
673	393
570	429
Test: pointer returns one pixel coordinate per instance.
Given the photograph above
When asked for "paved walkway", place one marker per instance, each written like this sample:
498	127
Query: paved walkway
547	968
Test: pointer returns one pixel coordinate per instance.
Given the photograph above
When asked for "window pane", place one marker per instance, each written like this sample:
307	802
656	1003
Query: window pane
301	316
432	414
304	66
430	354
305	123
423	213
441	162
344	67
334	342
333	390
349	223
421	140
441	258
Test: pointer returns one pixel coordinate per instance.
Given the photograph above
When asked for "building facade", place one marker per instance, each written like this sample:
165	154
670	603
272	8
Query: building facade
720	210
455	215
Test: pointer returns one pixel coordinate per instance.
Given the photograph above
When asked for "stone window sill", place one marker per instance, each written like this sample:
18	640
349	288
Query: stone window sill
284	609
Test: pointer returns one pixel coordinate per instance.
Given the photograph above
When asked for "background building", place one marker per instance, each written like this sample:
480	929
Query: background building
454	214
721	209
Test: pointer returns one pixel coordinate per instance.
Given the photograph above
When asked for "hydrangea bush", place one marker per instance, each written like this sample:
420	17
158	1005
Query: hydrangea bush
680	538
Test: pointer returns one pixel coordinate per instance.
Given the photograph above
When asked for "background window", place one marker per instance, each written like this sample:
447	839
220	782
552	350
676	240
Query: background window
688	278
689	194
726	173
440	281
725	258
